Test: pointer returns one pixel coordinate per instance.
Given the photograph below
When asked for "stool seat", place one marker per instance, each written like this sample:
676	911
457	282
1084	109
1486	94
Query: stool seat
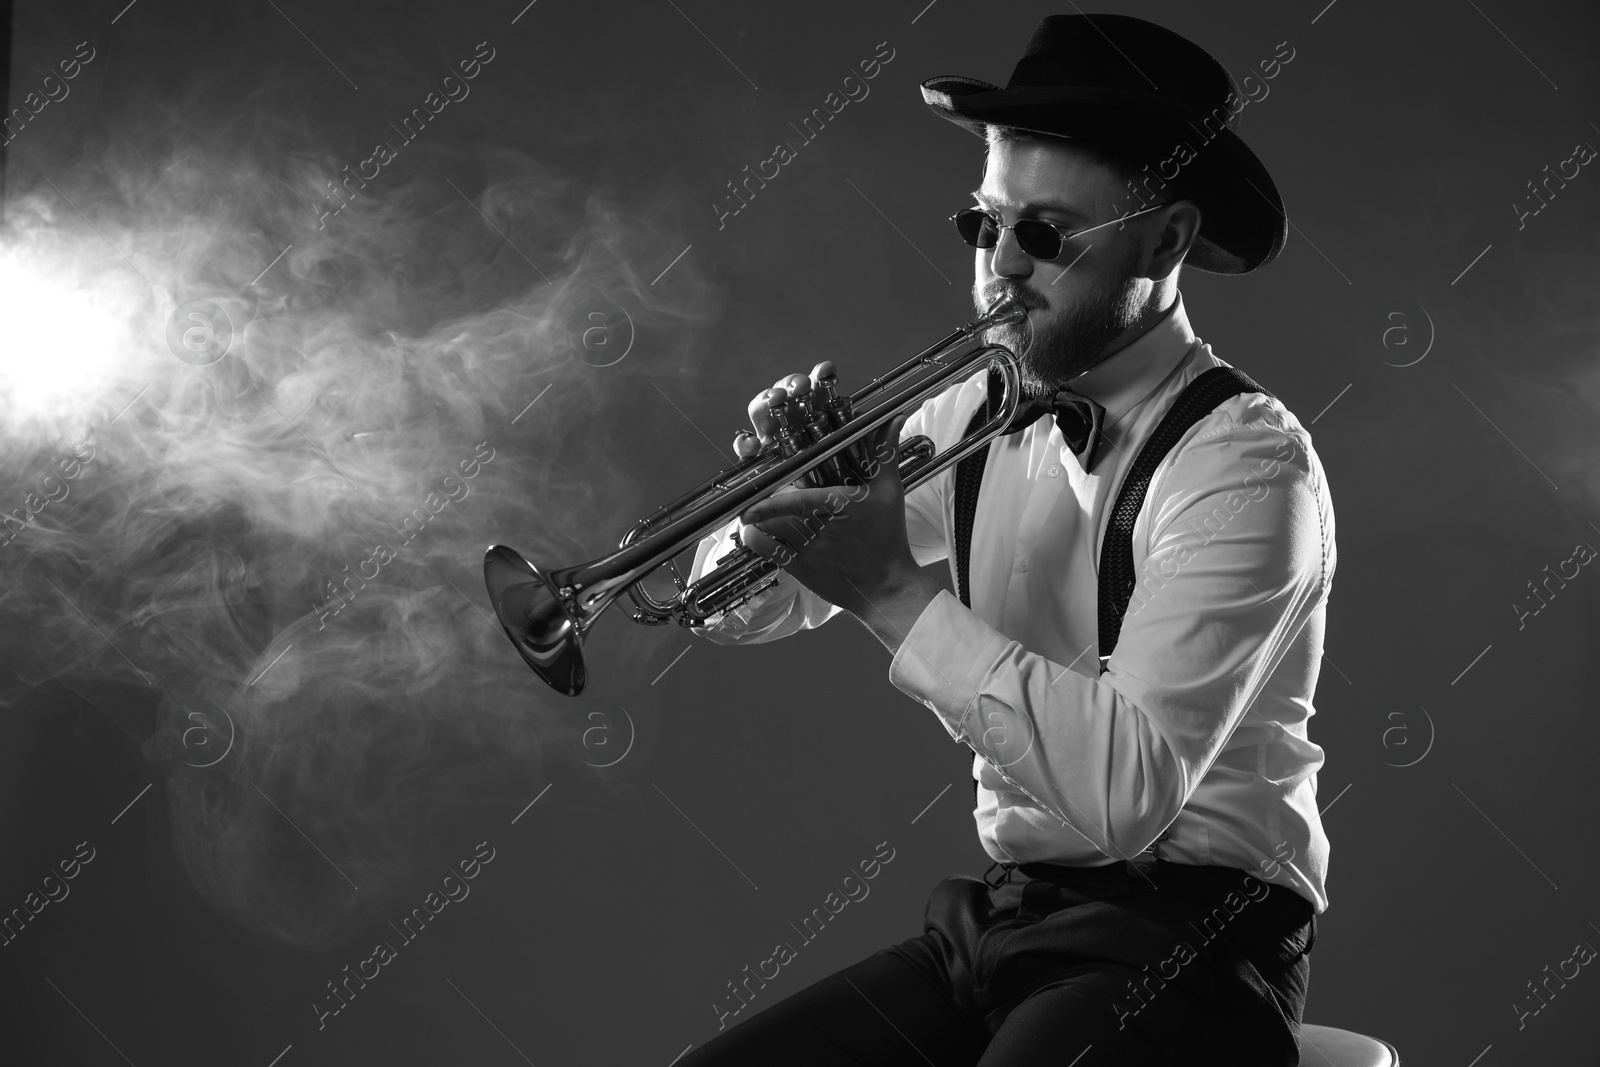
1327	1046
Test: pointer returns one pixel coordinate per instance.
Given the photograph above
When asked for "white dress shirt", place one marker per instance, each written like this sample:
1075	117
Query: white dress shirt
1193	740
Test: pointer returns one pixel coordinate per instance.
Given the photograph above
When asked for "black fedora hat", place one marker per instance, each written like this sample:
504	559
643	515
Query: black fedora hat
1143	91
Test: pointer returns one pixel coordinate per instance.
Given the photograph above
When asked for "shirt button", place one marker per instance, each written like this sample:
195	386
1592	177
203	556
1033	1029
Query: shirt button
1022	564
1055	469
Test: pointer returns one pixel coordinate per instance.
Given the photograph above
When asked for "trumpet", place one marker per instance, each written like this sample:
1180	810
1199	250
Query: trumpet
818	441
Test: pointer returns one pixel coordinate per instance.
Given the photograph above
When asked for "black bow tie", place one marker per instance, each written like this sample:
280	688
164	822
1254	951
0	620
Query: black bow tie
1082	421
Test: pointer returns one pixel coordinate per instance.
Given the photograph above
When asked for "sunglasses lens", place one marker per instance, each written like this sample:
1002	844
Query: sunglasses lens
1038	239
976	227
979	229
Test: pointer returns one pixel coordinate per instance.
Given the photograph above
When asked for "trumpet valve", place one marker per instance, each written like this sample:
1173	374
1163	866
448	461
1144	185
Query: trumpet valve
734	550
827	399
785	417
817	425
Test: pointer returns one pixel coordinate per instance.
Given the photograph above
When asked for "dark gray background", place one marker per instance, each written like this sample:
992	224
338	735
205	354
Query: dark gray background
609	922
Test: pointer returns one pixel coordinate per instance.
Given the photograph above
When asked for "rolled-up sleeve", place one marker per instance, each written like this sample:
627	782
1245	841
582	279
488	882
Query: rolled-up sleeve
1234	564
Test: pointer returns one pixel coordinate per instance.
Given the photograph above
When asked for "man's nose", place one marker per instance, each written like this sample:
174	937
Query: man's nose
1008	259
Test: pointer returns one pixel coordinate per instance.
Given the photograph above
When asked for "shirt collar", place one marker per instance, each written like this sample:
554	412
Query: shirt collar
1126	377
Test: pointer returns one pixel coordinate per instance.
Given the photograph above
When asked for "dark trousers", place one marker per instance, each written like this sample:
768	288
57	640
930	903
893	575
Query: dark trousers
1067	966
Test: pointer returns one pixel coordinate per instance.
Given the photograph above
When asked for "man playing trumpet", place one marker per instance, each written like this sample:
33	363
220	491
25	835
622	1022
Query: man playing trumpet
1145	782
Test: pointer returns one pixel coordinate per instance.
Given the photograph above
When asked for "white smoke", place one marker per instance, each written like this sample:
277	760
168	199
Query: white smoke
228	544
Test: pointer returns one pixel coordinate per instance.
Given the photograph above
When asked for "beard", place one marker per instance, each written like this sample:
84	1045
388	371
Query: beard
1076	339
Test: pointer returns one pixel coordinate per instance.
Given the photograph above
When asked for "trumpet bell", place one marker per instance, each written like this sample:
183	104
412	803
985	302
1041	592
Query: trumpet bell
535	619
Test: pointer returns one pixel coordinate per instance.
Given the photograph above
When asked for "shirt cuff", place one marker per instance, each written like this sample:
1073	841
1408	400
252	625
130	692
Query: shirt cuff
944	660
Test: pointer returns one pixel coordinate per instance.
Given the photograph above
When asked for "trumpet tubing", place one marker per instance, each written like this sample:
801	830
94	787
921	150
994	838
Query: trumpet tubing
819	440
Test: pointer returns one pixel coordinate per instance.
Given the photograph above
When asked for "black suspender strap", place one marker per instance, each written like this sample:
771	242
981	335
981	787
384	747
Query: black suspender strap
1117	579
1197	400
969	478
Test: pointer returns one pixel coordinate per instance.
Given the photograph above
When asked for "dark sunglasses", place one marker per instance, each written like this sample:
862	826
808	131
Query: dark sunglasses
1038	238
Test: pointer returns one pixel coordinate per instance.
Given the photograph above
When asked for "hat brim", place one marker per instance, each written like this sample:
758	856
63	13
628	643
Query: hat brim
1244	225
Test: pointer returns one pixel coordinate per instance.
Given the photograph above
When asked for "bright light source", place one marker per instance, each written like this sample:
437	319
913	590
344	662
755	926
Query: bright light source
58	347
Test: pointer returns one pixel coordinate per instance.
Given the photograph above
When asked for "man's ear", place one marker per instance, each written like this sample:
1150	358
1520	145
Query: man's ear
1180	227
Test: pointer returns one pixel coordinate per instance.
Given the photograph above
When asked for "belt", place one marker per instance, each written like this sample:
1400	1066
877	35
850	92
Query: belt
1281	907
1141	865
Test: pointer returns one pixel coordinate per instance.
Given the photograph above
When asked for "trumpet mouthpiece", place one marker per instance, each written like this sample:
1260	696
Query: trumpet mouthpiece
1006	308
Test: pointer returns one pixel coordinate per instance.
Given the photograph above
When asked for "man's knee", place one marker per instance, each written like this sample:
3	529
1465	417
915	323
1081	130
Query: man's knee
1106	1017
883	1010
